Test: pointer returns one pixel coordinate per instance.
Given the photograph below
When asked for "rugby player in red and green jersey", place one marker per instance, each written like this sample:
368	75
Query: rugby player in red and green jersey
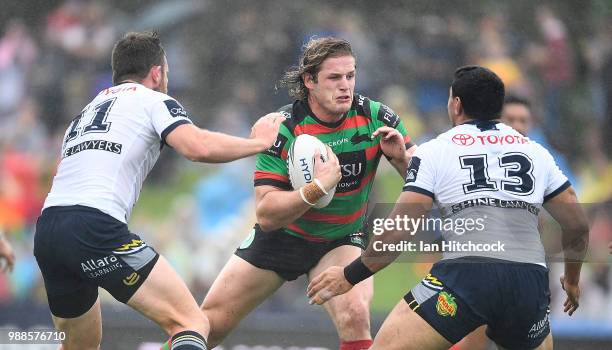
291	238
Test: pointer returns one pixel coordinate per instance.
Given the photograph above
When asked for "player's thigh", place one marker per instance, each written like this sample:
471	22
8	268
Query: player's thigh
165	299
349	312
83	332
477	340
406	330
239	288
547	344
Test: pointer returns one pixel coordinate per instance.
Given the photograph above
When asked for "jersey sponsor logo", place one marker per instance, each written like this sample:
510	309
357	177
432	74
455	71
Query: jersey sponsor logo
446	305
352	167
117	89
468	140
387	116
496	203
463	140
99	267
101	145
337	143
358	138
132	279
175	109
538	328
277	147
413	169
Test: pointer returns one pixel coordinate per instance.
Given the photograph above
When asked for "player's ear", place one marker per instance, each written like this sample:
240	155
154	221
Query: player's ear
156	74
457	106
308	80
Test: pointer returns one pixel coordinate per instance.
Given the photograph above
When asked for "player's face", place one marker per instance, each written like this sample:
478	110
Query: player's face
332	94
517	116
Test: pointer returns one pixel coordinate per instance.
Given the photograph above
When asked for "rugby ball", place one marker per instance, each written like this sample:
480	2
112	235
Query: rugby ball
300	164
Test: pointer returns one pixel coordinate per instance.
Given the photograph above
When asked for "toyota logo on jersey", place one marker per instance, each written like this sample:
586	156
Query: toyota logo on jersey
463	140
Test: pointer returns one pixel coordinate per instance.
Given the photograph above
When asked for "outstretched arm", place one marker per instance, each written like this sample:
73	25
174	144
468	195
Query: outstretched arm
200	145
338	280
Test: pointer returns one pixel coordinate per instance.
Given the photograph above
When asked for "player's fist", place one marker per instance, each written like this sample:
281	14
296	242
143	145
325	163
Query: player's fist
265	129
327	172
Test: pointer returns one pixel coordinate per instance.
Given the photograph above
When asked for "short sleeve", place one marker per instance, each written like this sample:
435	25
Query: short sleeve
386	116
556	181
271	165
420	176
167	115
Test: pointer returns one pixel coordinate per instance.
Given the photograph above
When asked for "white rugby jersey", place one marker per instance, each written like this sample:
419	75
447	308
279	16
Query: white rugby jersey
110	147
488	171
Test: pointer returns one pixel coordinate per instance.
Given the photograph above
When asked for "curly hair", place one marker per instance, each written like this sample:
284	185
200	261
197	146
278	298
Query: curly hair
314	53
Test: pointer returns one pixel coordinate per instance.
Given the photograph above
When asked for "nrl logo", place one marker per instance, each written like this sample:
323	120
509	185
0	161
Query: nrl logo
446	305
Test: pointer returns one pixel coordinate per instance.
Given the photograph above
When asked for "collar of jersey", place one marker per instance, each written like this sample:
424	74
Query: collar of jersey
483	125
327	124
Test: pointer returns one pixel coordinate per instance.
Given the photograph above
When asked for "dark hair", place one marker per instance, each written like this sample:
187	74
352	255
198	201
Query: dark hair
135	54
518	100
314	53
480	90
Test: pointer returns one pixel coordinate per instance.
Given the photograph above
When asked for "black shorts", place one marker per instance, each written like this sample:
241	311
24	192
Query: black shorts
79	249
512	299
287	255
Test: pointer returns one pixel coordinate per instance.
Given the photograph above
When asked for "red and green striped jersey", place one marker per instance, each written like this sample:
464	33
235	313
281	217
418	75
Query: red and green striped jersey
350	140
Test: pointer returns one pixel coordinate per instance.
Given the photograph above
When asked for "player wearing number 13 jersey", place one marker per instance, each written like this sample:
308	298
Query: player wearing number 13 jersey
82	241
483	171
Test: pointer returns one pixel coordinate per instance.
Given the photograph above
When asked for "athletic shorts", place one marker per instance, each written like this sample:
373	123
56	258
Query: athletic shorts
511	298
79	249
287	255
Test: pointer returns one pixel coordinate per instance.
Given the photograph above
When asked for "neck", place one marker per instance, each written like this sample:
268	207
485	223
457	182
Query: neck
460	119
321	113
125	81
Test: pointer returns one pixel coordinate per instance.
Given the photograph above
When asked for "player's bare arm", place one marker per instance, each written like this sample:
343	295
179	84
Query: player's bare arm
338	280
393	146
565	208
277	208
201	145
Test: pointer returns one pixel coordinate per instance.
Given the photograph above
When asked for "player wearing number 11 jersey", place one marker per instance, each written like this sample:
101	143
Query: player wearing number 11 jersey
82	241
481	169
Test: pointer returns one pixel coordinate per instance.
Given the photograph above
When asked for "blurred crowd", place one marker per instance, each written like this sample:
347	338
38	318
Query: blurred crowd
225	61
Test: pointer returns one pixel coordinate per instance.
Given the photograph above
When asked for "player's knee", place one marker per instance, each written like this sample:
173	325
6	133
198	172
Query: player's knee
76	337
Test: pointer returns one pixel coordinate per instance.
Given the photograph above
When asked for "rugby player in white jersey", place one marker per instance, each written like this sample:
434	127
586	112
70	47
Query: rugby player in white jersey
82	241
478	166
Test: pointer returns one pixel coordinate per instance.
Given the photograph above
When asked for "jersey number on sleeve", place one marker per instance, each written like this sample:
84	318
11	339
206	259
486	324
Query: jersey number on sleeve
518	178
97	124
